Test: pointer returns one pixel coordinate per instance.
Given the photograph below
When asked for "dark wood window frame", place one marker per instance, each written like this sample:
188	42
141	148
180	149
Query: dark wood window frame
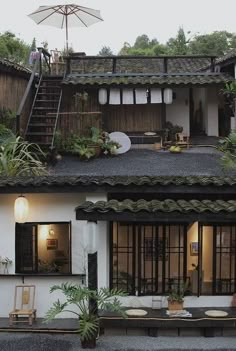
32	249
218	283
136	281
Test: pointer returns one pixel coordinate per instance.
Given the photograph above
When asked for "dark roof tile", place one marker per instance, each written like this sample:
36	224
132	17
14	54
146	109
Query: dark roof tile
153	206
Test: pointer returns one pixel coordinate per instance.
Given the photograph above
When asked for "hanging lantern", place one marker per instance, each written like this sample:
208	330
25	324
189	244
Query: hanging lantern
21	209
102	96
90	237
168	96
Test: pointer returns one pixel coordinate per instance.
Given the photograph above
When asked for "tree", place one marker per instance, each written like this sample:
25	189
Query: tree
33	45
105	51
13	48
179	44
216	43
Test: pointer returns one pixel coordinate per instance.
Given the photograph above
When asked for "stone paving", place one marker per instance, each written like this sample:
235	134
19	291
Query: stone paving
65	342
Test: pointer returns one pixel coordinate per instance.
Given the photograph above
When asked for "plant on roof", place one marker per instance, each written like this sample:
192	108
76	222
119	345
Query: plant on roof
229	92
228	147
84	303
20	158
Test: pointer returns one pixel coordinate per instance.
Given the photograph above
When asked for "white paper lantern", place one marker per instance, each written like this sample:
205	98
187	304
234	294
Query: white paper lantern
168	96
21	209
90	237
102	96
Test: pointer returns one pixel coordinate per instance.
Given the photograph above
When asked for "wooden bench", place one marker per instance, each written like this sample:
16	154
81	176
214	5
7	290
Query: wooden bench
158	319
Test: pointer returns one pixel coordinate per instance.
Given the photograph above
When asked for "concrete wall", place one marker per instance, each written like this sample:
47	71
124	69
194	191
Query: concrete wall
178	111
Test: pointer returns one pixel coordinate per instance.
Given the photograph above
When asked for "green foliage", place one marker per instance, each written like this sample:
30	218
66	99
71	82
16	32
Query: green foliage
228	147
19	158
5	134
88	146
177	292
216	43
80	298
13	48
229	92
179	44
105	51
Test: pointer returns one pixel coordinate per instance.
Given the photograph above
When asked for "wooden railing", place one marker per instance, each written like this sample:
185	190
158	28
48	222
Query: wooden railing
38	69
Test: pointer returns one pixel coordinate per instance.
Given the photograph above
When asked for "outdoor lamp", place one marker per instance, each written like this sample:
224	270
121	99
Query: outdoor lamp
102	96
168	96
21	209
90	237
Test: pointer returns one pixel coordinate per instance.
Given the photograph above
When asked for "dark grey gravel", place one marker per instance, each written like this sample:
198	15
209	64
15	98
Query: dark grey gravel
197	162
66	342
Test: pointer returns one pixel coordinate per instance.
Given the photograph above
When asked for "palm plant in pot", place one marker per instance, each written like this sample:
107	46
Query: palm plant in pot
176	297
86	303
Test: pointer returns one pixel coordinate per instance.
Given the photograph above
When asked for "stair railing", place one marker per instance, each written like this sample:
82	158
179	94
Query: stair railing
56	121
32	107
36	72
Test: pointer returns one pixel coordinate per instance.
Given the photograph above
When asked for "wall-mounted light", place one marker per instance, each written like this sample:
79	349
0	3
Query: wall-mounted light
51	231
21	209
90	237
102	96
168	96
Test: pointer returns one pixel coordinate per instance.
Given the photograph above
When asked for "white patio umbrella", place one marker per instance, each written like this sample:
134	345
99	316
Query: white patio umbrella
65	16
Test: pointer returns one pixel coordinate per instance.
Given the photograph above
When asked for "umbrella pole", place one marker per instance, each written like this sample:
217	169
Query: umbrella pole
67	46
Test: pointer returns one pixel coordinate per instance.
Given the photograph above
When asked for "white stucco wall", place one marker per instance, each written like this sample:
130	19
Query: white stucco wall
46	208
178	111
212	120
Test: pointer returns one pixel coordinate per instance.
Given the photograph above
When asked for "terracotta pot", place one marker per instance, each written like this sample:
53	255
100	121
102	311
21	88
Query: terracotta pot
88	344
175	305
96	148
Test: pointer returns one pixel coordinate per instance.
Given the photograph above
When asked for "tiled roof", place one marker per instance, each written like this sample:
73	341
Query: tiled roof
13	66
125	64
141	79
72	181
154	206
230	55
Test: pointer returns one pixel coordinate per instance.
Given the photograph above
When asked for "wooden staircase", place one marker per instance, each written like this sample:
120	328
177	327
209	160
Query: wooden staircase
43	118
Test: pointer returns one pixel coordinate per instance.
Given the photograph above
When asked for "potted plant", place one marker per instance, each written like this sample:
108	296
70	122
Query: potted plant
176	297
5	261
86	302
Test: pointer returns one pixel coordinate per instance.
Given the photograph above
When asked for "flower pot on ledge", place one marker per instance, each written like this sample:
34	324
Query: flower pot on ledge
174	305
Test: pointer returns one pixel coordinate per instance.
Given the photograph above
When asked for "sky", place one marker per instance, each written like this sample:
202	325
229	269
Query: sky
124	20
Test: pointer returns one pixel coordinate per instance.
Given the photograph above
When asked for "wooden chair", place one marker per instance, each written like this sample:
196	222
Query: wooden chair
182	139
24	310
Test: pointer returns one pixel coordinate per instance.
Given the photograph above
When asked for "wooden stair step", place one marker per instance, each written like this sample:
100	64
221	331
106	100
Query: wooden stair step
44	108
45	100
43	116
39	134
54	94
41	125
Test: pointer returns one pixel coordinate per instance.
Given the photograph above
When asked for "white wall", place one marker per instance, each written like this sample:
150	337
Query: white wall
44	208
102	244
212	125
178	111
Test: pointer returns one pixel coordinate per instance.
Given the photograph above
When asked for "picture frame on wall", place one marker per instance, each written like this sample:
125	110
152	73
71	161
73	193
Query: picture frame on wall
194	248
52	244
